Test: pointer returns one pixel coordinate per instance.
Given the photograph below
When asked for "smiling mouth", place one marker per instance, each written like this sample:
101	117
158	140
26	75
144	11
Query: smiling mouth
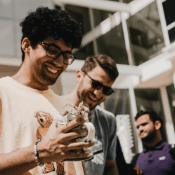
143	133
92	97
52	70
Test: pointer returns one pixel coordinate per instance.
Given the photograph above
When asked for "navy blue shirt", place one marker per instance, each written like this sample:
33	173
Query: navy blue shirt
156	160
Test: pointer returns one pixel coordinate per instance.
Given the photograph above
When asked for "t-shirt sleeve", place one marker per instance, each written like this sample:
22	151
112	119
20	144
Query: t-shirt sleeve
112	139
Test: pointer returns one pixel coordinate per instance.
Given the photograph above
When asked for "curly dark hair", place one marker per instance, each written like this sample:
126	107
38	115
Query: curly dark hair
45	22
105	62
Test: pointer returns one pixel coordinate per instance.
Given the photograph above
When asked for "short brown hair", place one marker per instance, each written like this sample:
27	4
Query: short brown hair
105	62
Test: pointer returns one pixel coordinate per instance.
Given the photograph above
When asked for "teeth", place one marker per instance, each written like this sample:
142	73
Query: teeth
52	70
92	97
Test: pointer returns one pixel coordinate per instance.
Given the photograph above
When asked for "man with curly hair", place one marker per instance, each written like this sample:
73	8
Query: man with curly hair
48	39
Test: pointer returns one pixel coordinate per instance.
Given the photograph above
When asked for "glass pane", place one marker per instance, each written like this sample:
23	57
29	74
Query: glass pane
150	99
146	34
113	45
118	102
127	1
124	1
171	34
80	14
84	52
100	15
171	96
169	10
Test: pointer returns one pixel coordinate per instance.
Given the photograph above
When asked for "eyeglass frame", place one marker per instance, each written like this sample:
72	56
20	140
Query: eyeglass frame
61	52
100	85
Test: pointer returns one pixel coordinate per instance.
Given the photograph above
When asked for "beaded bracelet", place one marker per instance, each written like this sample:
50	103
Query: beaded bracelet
36	154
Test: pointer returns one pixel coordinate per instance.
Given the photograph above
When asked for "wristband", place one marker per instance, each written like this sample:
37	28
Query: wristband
36	154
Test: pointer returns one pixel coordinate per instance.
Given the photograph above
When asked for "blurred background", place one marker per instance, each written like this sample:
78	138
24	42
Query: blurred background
138	34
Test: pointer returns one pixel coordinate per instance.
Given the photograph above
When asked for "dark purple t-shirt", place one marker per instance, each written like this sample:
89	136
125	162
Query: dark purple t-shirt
156	160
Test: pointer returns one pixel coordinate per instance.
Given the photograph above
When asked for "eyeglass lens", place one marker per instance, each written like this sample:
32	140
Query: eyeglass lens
98	85
54	53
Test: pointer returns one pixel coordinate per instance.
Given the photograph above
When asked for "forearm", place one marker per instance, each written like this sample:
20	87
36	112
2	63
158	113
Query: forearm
53	148
17	162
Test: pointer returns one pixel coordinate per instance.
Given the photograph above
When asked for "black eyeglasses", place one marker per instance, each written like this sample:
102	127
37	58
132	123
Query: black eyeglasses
54	52
97	85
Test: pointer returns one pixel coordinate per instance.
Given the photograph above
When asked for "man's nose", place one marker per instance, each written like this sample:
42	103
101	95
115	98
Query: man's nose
59	60
140	129
98	92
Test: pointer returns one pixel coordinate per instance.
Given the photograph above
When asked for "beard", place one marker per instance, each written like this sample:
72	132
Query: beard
42	76
150	137
82	95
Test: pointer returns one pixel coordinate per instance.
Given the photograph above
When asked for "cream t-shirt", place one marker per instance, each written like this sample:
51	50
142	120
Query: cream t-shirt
23	111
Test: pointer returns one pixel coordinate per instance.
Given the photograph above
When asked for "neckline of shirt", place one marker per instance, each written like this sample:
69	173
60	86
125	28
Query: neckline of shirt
17	84
158	146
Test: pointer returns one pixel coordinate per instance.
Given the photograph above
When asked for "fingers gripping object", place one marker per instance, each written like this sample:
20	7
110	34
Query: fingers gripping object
74	113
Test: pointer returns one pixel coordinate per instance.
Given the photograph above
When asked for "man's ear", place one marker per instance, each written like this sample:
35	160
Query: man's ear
157	124
79	75
25	45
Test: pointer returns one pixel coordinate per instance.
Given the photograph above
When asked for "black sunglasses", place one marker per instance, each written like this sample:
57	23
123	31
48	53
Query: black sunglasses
97	85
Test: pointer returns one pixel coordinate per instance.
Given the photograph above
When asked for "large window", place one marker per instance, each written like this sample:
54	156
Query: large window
118	102
84	52
113	45
148	99
100	15
169	11
124	1
80	14
171	34
146	34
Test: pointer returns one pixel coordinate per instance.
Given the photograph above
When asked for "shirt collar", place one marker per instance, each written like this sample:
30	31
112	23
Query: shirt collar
158	146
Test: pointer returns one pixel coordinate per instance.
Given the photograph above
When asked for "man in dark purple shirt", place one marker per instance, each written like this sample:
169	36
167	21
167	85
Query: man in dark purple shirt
155	158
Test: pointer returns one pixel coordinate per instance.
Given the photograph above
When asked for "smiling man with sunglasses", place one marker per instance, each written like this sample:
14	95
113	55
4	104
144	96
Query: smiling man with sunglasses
94	83
97	85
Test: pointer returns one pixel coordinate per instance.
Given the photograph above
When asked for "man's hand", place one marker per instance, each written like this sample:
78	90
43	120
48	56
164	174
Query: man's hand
59	141
56	146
